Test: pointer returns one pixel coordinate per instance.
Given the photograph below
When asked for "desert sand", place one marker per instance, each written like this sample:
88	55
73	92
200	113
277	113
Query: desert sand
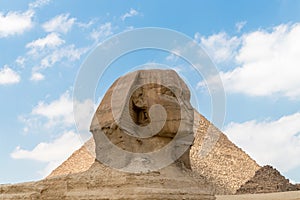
295	195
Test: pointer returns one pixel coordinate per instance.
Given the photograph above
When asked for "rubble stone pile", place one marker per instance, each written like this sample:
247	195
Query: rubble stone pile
267	180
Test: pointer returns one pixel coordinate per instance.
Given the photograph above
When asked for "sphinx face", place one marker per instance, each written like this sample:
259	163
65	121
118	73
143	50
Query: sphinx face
151	94
129	109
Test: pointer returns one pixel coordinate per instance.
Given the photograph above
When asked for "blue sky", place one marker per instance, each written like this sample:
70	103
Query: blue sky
254	44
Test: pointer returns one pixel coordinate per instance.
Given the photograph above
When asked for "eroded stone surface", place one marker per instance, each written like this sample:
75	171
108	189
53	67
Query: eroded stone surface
226	165
143	112
101	182
267	180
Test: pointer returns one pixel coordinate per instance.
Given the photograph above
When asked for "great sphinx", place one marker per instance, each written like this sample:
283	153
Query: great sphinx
144	122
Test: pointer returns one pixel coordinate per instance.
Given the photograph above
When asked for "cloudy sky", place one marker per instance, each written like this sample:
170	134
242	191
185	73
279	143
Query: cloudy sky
255	45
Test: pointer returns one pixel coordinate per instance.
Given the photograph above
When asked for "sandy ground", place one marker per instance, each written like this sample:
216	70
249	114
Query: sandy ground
270	196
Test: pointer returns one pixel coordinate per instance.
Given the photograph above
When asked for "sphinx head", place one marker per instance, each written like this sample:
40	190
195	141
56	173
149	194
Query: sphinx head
143	113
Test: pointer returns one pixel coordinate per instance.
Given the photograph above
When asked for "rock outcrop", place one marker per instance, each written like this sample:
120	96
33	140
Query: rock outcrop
267	180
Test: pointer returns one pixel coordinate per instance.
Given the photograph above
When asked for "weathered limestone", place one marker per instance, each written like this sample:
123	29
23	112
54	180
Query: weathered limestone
267	180
226	165
143	112
101	182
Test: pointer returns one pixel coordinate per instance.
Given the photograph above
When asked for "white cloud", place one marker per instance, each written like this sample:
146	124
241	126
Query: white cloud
85	111
20	61
53	153
14	23
102	32
70	53
220	47
47	51
55	116
39	3
240	25
55	150
131	13
57	112
172	57
61	23
268	61
86	25
36	76
270	142
8	76
51	40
